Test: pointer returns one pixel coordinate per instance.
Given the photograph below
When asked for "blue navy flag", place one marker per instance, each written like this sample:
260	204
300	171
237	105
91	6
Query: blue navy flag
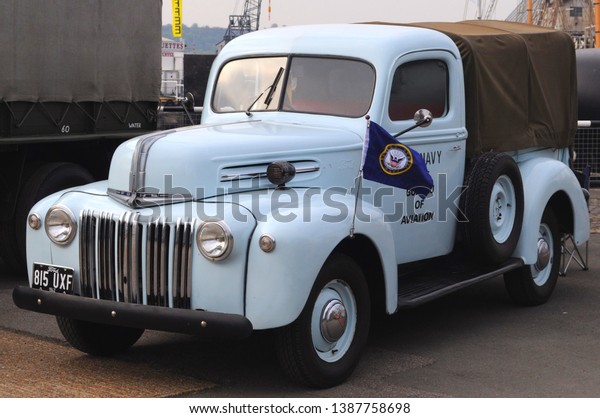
387	161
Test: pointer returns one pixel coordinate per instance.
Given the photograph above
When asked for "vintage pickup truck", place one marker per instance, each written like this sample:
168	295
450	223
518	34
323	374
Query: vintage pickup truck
261	218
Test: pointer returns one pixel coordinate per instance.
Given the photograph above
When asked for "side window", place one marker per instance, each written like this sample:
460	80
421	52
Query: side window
419	85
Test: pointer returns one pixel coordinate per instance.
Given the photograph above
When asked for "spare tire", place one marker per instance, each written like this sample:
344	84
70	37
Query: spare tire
493	205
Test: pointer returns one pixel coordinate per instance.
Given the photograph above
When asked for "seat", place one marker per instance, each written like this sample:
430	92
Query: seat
570	252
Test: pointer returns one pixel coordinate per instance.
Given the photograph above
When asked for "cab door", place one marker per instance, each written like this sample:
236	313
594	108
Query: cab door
425	228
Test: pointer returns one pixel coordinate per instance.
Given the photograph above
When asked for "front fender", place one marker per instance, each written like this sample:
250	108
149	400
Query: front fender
542	179
215	286
38	245
279	282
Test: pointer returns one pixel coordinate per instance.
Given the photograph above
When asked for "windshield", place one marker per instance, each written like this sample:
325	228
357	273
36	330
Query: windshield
323	85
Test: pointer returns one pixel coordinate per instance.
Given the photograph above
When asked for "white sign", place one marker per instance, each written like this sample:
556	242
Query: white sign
168	46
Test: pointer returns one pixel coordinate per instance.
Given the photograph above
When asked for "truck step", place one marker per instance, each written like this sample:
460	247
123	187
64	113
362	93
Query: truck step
441	278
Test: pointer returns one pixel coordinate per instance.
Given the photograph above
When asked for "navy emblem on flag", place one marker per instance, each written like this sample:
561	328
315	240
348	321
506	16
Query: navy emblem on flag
396	159
387	161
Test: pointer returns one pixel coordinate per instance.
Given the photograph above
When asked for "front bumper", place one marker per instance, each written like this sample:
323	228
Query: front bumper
186	321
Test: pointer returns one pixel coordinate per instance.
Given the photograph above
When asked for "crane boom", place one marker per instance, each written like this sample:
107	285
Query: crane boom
247	22
491	9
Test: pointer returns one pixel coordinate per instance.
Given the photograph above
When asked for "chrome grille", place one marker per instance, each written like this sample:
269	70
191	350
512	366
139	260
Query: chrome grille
129	260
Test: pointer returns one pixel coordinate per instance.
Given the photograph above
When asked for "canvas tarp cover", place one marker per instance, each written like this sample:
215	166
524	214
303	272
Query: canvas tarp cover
80	50
520	84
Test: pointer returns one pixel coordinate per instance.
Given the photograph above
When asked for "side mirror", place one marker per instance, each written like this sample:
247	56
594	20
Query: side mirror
423	119
188	102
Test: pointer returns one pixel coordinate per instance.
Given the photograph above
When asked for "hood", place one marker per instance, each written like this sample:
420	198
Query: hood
212	160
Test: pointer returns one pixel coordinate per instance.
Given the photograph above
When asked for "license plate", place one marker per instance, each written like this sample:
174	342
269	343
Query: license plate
53	278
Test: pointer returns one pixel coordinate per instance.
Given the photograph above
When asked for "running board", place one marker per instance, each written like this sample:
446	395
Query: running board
430	283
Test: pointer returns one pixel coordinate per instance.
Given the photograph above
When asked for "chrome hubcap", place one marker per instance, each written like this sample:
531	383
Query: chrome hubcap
333	321
543	254
542	269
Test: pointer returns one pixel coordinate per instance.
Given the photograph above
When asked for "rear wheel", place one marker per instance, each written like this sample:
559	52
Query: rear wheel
97	339
533	284
323	346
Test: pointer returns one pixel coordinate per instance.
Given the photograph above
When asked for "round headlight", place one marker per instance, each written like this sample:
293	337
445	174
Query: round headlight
34	221
60	225
214	240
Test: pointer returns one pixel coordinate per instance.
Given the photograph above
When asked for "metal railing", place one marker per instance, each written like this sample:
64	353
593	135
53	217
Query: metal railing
177	117
587	150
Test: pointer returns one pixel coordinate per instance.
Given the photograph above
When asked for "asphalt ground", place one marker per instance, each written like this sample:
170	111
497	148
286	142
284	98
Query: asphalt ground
474	343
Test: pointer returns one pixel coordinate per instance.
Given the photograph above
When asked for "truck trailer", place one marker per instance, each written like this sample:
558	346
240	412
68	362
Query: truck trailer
77	78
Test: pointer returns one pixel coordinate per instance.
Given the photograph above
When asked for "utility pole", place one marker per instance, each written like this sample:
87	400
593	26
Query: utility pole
597	21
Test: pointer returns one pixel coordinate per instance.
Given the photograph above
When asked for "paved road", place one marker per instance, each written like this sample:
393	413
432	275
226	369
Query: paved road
471	344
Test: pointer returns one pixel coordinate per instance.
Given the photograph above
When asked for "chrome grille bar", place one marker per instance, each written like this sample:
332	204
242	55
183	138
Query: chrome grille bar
129	258
157	256
182	257
87	249
124	259
106	256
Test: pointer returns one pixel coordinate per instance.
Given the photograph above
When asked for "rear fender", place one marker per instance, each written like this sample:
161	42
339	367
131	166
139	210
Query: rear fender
543	178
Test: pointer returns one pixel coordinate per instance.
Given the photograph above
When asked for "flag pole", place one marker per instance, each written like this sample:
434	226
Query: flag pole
358	180
357	187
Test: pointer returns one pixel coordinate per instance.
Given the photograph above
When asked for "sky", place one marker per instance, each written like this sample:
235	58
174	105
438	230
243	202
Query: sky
299	12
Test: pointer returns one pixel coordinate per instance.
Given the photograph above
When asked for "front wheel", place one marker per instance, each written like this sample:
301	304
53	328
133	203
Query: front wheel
323	346
98	339
533	285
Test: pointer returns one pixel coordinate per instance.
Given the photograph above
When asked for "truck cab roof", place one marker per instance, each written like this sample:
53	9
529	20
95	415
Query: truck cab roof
512	100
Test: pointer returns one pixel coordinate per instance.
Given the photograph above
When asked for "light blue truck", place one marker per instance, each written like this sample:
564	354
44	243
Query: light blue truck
261	217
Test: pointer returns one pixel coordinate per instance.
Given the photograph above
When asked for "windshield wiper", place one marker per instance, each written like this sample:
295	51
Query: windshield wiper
269	97
272	88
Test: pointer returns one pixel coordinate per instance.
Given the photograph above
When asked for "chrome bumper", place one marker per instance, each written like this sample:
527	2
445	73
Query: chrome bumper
186	321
